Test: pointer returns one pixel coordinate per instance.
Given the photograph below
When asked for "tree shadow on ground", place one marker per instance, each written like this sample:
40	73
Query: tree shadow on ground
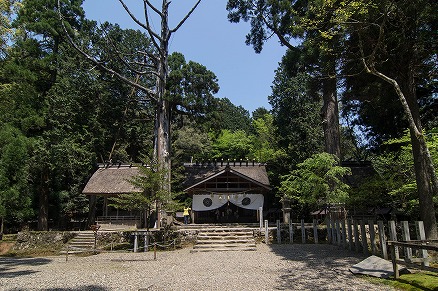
316	267
80	288
8	265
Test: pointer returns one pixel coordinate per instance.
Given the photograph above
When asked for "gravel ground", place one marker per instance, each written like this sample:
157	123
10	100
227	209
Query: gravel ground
273	267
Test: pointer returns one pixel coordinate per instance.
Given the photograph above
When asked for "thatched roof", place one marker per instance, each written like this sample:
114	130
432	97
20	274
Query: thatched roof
112	180
197	173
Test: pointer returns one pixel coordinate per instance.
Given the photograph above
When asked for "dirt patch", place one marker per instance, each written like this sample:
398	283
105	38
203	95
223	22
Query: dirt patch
5	247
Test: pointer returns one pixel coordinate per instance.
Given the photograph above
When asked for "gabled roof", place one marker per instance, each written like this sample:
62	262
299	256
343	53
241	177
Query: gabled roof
112	180
253	172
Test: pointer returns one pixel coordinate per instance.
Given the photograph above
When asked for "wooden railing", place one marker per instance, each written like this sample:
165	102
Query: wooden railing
422	245
367	237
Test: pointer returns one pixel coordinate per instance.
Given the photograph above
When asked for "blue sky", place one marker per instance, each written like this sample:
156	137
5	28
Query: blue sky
209	39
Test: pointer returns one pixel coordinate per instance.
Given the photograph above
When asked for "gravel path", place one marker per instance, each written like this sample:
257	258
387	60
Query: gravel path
273	267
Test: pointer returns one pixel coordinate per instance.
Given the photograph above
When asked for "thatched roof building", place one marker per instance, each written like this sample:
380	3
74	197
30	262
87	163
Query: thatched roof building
112	180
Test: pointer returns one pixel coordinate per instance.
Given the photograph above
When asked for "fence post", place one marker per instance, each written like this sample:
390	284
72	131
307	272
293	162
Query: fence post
394	255
338	232
393	237
329	233
350	233
266	232
291	232
382	239
334	232
315	231
278	232
356	235
344	234
407	238
372	237
364	237
303	232
419	226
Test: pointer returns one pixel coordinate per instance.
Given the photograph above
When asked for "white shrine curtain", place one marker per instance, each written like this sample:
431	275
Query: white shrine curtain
205	202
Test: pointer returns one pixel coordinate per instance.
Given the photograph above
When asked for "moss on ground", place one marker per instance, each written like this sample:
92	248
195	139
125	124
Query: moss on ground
411	282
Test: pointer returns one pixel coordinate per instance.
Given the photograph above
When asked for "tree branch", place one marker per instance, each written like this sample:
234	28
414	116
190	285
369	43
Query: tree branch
132	15
152	34
184	19
149	92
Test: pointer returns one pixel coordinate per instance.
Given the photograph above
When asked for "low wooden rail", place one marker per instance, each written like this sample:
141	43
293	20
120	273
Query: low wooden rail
429	245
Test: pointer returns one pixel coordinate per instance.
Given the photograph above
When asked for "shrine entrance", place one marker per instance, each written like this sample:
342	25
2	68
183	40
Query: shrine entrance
227	193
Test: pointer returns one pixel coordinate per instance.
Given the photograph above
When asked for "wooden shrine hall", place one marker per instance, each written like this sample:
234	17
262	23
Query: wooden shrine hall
229	192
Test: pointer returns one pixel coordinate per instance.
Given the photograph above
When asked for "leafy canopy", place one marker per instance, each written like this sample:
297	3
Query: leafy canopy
317	180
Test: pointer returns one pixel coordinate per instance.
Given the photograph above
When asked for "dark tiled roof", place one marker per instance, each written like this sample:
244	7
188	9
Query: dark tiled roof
197	173
112	180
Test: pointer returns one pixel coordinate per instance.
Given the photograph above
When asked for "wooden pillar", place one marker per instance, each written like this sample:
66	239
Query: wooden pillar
344	234
382	239
315	231
266	232
421	235
303	232
372	237
350	233
278	232
356	235
329	234
334	232
364	237
291	232
406	237
338	232
393	237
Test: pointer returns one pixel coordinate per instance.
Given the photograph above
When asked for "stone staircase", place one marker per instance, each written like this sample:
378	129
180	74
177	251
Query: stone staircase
225	239
83	241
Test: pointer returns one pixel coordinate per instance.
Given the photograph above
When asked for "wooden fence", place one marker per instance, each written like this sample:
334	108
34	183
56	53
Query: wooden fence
367	237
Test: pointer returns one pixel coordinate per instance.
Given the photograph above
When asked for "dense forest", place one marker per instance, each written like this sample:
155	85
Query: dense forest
358	85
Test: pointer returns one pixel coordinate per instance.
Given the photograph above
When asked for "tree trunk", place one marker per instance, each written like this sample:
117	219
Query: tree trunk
423	176
162	120
330	110
44	201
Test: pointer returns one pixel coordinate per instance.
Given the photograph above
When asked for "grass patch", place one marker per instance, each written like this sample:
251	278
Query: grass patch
411	282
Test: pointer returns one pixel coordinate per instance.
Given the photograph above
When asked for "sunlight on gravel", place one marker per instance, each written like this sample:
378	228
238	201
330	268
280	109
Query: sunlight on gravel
274	267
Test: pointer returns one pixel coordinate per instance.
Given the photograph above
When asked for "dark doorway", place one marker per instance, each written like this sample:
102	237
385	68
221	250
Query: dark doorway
228	213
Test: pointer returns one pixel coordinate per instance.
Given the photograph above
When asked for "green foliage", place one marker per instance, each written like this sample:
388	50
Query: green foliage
190	88
265	141
231	145
150	181
395	168
296	111
15	198
317	181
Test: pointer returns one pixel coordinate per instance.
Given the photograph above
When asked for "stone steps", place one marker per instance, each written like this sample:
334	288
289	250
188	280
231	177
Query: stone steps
83	241
225	239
